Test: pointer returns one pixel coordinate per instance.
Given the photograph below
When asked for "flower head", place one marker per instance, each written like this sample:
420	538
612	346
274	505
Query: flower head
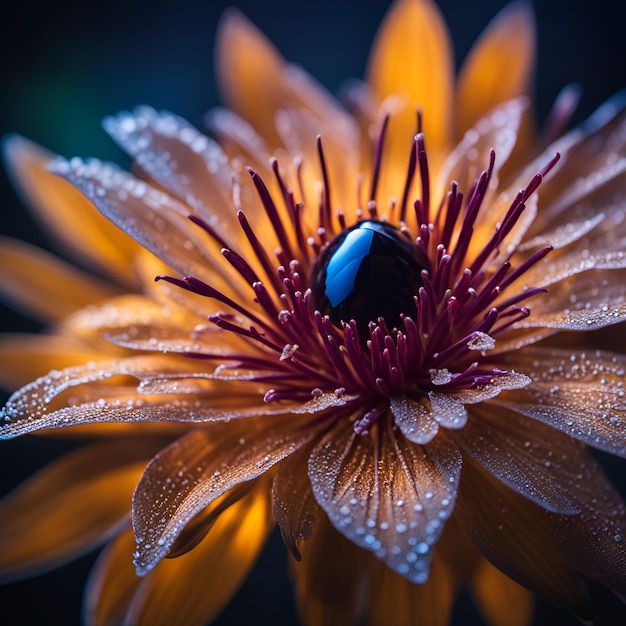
355	331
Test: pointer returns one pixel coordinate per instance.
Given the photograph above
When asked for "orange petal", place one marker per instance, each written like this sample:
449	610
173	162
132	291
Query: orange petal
256	82
501	600
26	357
202	178
44	286
199	468
127	312
71	218
70	506
176	591
249	71
411	61
284	105
572	391
156	220
330	579
516	536
394	601
523	467
192	589
386	494
91	393
500	65
112	583
294	506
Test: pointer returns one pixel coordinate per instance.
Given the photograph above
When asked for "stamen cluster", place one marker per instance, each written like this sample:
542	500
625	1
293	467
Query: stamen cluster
443	342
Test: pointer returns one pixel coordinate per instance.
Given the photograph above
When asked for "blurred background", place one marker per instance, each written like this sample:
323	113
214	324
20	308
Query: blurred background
68	64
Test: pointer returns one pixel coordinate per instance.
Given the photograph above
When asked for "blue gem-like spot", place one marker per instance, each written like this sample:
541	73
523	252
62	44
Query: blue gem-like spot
368	271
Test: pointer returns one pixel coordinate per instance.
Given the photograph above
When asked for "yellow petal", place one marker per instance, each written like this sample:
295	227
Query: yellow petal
250	72
70	506
412	61
193	588
394	601
112	583
70	217
501	600
26	357
500	65
330	578
43	285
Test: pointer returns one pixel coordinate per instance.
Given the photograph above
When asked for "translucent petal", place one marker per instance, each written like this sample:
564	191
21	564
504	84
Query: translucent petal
496	130
331	578
44	286
389	496
112	583
515	535
139	323
501	600
595	540
448	411
239	138
35	406
563	235
198	528
299	130
186	163
499	383
195	470
534	460
392	599
601	249
585	301
176	590
24	357
499	66
591	165
414	419
129	310
606	313
70	506
173	153
153	218
411	60
68	216
529	543
256	82
581	393
243	52
294	506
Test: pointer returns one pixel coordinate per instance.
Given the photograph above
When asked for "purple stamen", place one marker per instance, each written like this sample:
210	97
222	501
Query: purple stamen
409	179
325	212
378	157
456	311
259	251
424	177
198	221
272	212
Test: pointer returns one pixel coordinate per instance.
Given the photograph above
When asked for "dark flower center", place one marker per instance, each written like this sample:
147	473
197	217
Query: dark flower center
369	271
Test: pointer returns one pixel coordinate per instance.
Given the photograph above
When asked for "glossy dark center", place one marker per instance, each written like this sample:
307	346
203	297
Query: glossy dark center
370	270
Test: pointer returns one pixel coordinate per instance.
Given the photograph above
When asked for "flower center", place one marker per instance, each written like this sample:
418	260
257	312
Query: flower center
370	271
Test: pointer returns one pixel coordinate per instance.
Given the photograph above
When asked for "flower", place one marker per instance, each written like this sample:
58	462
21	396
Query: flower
356	332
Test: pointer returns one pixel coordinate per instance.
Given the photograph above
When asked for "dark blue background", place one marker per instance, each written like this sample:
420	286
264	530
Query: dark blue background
66	65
